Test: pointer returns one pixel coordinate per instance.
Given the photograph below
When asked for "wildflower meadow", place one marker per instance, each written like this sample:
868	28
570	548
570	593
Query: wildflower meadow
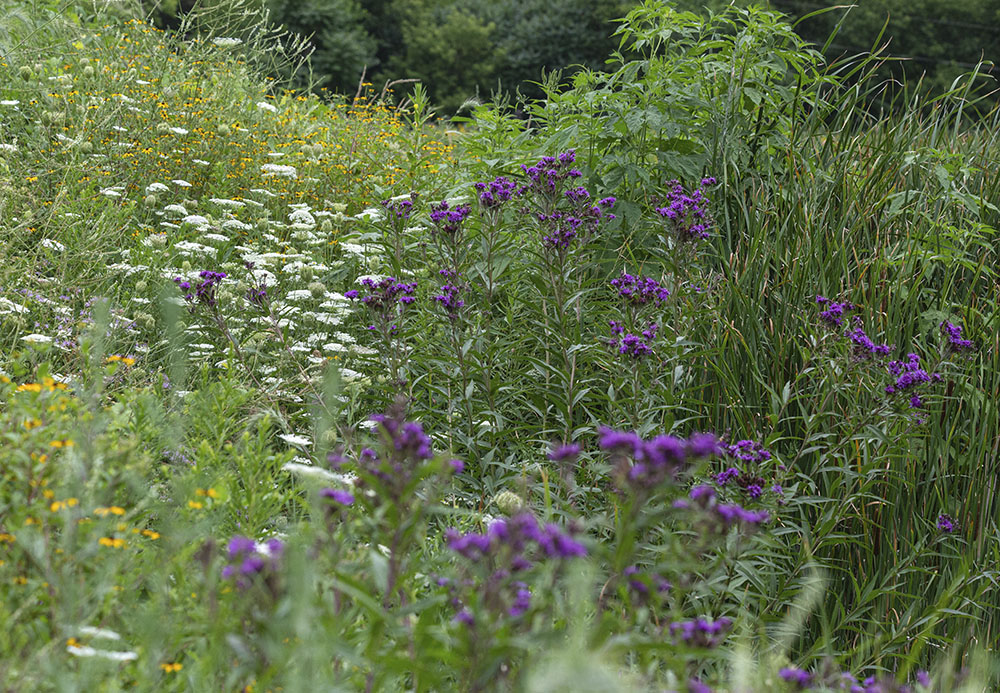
683	377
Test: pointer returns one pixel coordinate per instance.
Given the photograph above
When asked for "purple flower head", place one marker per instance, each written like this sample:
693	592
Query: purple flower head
352	294
687	214
637	291
797	677
701	445
240	545
864	347
703	495
456	466
696	686
562	453
701	632
338	496
401	209
833	312
723	478
494	194
621	442
946	523
449	300
447	219
522	601
956	343
748	451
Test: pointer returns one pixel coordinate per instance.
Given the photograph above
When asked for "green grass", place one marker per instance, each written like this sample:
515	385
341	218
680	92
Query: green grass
142	431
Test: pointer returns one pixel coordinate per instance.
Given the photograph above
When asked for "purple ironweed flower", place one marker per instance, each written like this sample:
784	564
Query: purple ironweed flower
703	445
708	181
494	194
702	494
723	478
638	292
407	437
577	195
798	677
864	347
748	451
546	176
513	537
382	298
754	491
338	496
401	209
621	442
522	600
447	219
687	213
562	229
465	617
449	300
946	523
923	678
240	545
908	374
204	291
834	312
247	558
607	202
456	466
562	453
956	343
701	632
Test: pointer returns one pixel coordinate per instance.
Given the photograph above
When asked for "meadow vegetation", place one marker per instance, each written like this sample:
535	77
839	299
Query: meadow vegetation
684	377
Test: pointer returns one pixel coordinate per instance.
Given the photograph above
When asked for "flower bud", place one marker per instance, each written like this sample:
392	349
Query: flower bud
317	290
26	73
508	502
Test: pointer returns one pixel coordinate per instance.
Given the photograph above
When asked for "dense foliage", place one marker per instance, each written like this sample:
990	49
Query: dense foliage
688	381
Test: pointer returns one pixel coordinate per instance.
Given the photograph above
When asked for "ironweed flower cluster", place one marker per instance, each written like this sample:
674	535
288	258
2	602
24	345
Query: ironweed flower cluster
830	678
449	298
560	229
204	291
862	346
519	540
956	344
248	559
909	375
946	523
833	312
701	632
548	176
687	214
509	548
447	219
643	586
636	291
405	455
719	516
750	456
643	465
400	209
383	297
494	194
633	346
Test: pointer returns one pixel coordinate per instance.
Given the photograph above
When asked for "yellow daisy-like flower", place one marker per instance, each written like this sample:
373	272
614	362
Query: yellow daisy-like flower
171	667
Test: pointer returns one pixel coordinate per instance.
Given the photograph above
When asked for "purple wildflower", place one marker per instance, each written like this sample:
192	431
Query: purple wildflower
956	343
946	523
563	453
337	496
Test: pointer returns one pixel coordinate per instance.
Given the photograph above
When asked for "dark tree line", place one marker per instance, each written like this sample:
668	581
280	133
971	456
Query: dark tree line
467	48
